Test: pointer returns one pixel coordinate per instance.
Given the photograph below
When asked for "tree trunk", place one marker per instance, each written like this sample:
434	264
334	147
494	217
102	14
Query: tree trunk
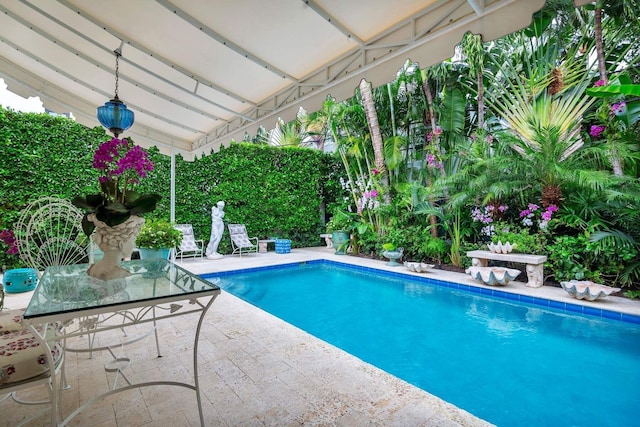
376	136
432	118
602	69
616	163
427	93
479	83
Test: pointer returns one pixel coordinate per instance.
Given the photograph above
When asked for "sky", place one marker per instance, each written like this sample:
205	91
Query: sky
8	99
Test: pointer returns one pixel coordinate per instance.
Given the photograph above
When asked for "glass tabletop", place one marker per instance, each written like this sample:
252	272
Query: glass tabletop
68	289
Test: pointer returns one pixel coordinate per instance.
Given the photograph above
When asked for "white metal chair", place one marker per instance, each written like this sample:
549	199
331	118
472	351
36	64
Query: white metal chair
23	361
190	246
49	232
240	240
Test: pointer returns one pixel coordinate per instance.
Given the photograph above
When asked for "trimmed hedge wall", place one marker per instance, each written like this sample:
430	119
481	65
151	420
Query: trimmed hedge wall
274	191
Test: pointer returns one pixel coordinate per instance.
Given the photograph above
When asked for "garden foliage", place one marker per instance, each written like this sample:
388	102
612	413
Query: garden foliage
273	191
519	139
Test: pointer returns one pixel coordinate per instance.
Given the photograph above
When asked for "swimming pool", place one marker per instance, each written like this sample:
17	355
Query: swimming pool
511	363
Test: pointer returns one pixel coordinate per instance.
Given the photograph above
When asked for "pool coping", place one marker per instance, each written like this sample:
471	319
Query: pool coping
586	308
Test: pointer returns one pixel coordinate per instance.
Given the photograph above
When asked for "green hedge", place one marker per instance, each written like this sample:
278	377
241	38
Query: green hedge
274	191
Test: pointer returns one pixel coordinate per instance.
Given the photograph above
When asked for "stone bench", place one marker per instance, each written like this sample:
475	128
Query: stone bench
535	273
327	239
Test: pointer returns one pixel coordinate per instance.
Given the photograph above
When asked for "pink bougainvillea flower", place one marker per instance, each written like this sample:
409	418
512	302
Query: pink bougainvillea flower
599	83
437	130
8	238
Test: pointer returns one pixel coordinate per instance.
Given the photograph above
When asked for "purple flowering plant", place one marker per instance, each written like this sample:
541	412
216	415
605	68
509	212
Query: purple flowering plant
528	215
596	131
8	238
121	164
619	111
489	215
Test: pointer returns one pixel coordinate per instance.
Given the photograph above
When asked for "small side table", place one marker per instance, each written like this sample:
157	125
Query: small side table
20	280
283	246
262	244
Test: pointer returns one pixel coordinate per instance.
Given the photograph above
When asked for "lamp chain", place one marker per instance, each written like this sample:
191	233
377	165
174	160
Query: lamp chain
117	67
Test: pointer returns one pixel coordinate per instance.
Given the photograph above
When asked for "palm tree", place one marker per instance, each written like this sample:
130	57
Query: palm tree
542	106
292	134
621	11
624	12
474	53
376	136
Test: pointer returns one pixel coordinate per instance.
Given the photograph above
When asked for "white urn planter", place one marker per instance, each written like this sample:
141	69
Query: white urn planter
587	290
116	242
494	276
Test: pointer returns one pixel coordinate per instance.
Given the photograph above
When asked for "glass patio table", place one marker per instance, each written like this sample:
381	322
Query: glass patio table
157	289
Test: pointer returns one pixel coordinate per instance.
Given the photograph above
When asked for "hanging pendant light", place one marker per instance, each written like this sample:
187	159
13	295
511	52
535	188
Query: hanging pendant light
114	114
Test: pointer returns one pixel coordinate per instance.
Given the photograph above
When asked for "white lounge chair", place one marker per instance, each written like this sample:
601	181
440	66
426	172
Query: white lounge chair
240	240
190	246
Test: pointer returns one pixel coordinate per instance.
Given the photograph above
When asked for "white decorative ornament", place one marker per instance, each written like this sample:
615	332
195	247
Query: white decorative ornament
418	267
493	275
588	290
500	248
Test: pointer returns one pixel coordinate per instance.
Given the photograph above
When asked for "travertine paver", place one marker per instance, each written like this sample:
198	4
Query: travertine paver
258	370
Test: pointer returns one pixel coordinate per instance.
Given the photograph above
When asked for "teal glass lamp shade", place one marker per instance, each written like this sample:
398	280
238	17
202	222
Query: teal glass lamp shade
115	116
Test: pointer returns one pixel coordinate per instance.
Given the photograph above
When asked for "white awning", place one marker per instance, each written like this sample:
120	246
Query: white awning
198	73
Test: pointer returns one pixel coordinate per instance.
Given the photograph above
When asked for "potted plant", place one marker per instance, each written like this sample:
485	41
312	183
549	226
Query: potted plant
391	251
122	165
157	238
112	214
340	226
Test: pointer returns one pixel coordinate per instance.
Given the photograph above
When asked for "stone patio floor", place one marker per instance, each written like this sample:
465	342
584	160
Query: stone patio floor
255	369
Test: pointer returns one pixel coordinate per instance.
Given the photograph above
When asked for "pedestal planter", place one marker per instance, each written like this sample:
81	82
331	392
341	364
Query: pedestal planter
340	242
393	256
146	253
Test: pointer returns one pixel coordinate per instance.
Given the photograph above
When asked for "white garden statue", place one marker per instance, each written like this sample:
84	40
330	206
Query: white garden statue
217	228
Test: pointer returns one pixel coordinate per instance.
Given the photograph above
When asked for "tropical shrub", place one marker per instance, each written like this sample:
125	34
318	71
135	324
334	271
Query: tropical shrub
579	257
567	259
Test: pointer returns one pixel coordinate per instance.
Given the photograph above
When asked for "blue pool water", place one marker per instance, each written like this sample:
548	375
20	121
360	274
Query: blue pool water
511	363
